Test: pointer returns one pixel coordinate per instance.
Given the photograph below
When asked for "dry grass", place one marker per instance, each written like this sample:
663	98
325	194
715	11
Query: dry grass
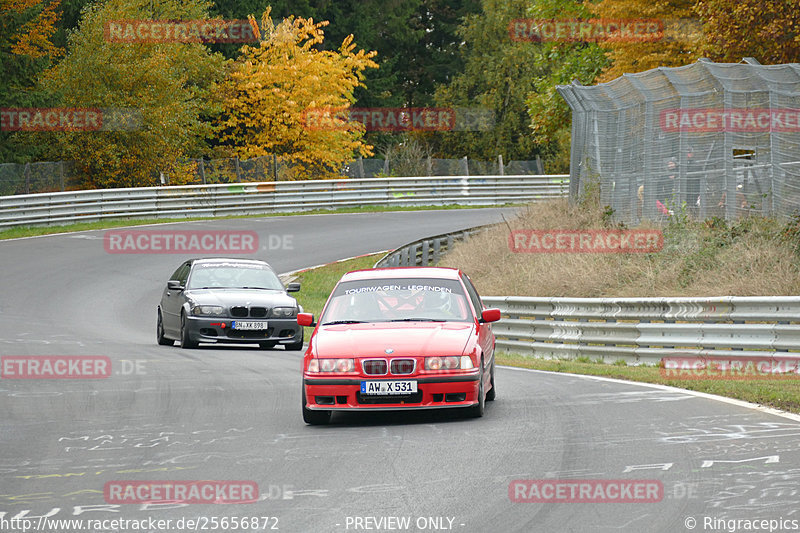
748	258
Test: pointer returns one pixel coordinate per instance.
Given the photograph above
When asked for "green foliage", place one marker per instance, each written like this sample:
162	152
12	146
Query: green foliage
791	232
498	74
26	49
168	83
559	63
713	236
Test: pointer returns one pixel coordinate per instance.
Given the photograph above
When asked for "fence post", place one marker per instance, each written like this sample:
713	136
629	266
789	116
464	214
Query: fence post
61	174
238	173
361	167
386	165
274	167
539	166
27	178
500	168
465	166
429	166
202	171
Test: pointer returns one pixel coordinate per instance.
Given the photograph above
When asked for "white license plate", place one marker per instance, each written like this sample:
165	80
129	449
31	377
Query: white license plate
250	325
388	387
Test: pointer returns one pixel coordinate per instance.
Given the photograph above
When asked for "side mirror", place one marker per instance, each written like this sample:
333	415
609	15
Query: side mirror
490	315
305	319
293	287
174	285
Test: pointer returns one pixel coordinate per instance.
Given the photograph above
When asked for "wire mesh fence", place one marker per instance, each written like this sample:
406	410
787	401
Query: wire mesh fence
49	176
708	139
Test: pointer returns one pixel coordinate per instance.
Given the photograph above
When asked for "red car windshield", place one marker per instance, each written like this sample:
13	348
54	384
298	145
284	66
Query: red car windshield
401	299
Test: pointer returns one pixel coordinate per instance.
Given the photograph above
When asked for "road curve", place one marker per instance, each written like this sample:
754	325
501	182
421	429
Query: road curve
234	414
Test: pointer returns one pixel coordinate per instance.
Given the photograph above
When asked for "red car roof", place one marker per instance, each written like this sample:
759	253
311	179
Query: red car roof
403	272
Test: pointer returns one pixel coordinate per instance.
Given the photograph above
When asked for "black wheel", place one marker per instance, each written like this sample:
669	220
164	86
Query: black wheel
267	345
314	418
160	338
476	411
491	394
186	342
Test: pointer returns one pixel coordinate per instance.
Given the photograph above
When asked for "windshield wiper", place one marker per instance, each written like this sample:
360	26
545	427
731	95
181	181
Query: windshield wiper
418	320
343	322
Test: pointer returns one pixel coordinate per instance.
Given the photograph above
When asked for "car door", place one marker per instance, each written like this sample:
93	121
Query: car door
485	335
172	301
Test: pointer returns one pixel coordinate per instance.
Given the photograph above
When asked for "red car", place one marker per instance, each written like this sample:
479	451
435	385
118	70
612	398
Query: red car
399	338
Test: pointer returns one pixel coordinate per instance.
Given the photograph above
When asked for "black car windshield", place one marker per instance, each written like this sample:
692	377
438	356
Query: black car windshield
233	275
400	300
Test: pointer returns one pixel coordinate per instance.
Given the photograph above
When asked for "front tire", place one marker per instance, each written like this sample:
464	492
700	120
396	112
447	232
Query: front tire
160	338
490	396
314	418
476	411
186	341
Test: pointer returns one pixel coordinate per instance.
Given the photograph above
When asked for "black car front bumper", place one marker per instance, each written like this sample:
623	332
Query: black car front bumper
221	330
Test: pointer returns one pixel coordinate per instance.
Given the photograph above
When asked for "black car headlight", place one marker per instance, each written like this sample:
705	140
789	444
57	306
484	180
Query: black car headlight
208	310
284	312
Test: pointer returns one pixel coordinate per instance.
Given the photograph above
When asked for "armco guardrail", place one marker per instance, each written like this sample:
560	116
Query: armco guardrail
273	197
631	329
648	329
427	251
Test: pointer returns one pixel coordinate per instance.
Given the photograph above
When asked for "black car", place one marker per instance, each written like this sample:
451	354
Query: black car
228	301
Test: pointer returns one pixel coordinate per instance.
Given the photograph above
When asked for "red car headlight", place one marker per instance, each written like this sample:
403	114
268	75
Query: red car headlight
331	365
448	363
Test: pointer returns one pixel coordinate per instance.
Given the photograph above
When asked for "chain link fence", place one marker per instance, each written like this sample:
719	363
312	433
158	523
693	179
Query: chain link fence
707	139
49	176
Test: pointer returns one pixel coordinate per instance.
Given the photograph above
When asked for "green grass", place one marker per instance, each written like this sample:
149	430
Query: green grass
33	231
779	393
317	284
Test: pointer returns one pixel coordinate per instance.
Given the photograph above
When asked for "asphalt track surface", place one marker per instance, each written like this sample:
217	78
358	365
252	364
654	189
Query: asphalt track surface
233	413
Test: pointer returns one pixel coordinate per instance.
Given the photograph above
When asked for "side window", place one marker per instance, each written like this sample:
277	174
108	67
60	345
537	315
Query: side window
473	295
181	274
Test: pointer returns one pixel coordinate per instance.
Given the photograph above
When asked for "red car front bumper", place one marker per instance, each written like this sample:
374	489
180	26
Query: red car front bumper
433	392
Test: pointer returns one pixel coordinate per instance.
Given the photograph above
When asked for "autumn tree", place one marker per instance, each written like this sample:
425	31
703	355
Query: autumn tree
26	48
498	74
559	63
768	30
679	43
282	86
166	86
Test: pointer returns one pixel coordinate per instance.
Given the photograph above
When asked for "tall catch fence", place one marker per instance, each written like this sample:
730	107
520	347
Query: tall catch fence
707	139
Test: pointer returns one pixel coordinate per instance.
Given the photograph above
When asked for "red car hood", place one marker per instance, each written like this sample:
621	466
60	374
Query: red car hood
406	339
